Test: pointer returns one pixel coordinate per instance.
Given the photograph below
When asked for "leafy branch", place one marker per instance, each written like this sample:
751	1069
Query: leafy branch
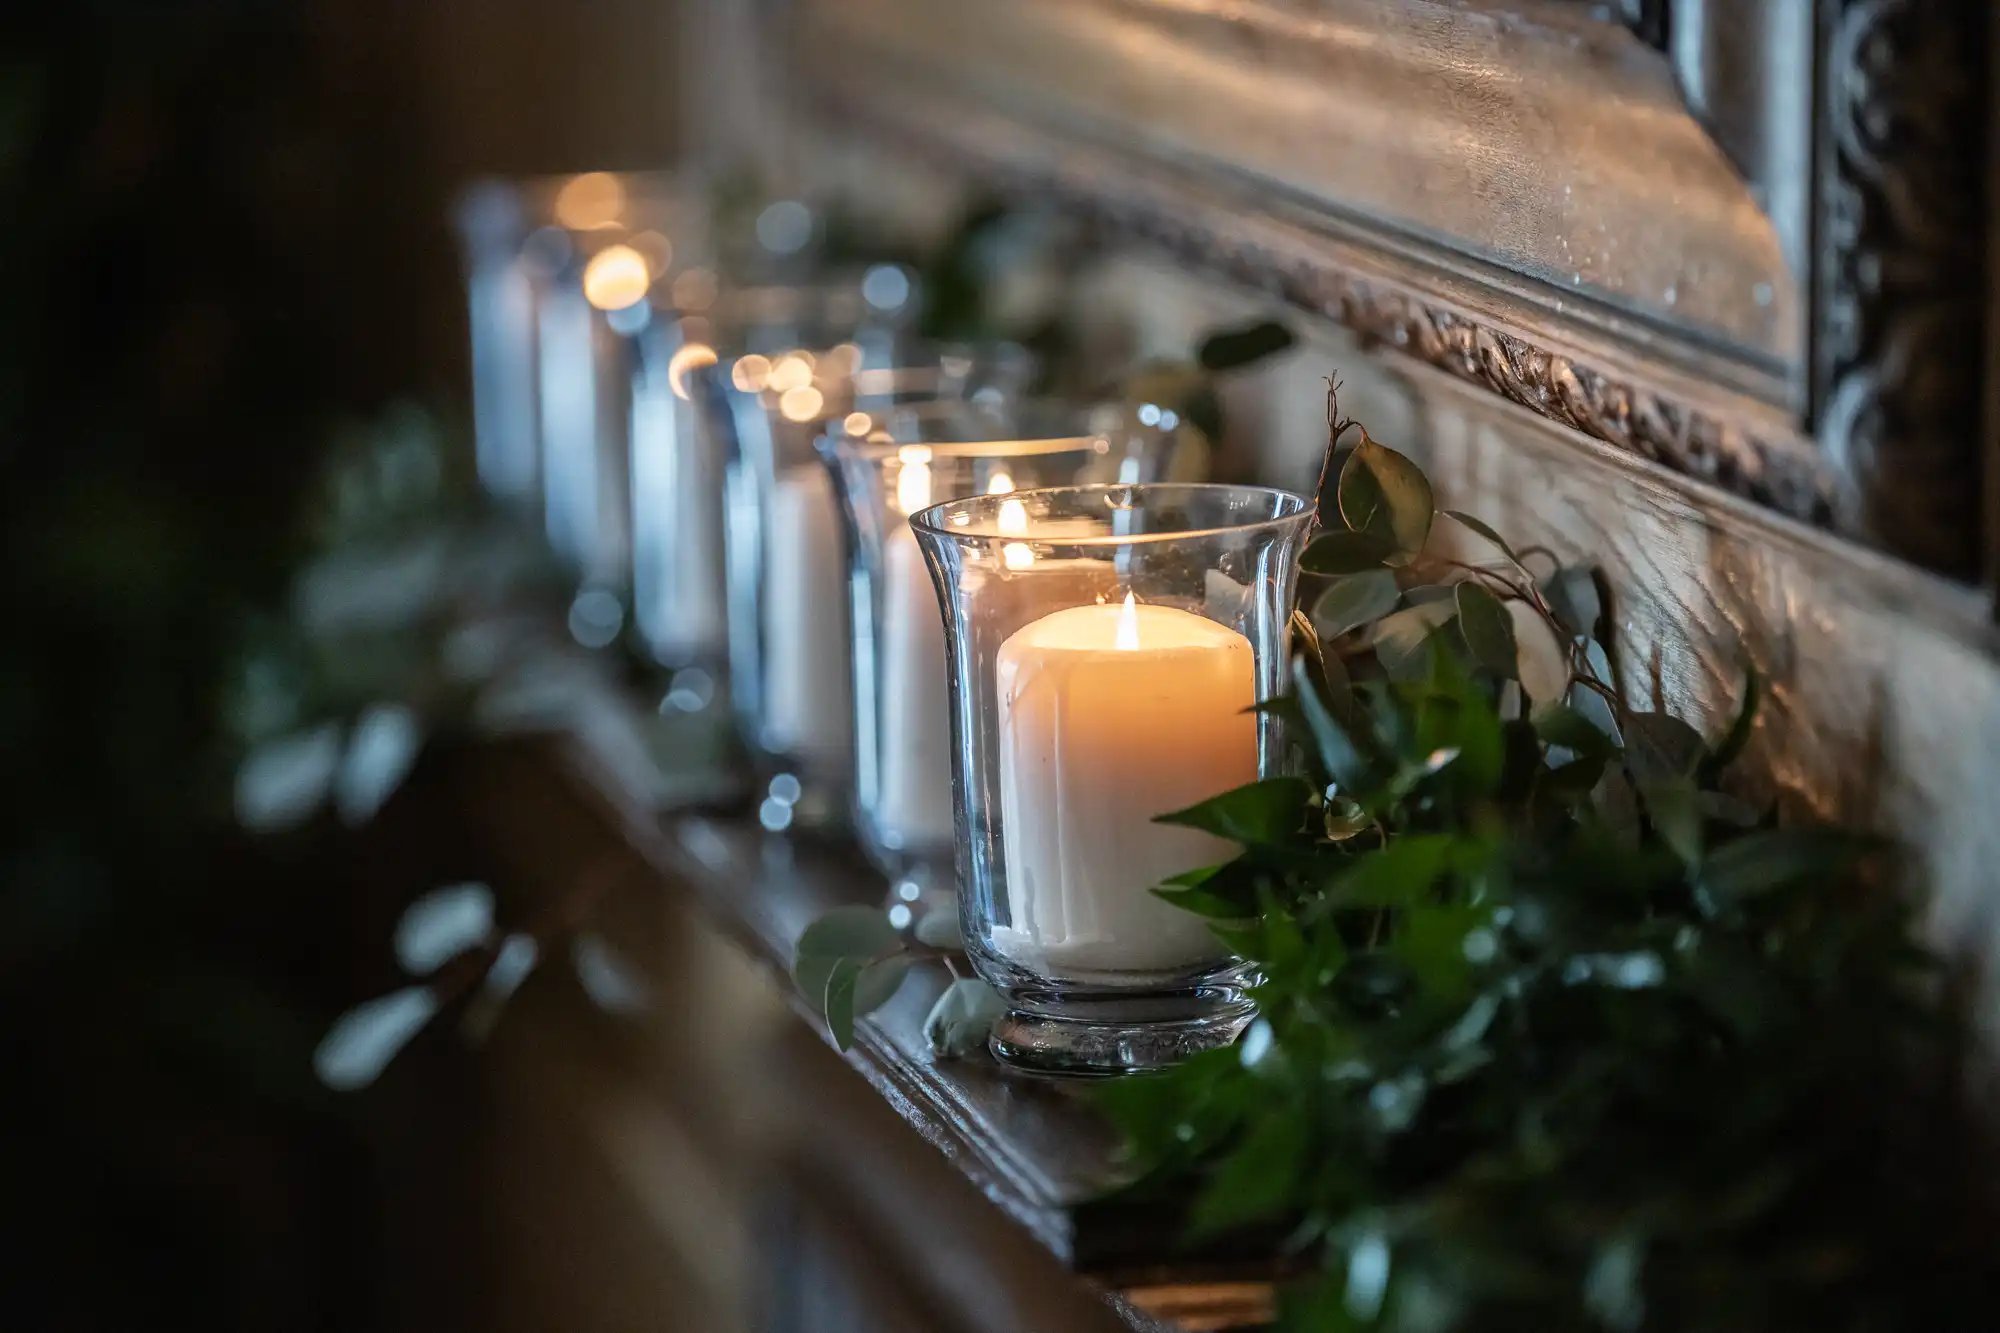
1554	1031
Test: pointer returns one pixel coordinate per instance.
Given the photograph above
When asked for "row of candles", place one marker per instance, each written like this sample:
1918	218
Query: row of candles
998	635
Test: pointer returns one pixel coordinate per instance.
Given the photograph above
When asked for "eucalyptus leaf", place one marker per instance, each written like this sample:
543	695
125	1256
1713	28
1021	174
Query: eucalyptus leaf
853	931
1479	526
938	929
1660	748
1572	595
1564	726
1351	602
962	1019
1674	808
1402	640
1541	659
1338	552
1384	493
837	1004
1488	629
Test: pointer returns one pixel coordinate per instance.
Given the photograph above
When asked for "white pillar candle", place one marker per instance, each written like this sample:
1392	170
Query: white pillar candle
913	808
677	588
807	708
1108	716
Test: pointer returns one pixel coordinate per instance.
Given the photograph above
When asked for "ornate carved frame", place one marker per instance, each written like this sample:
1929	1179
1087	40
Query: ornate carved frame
1859	132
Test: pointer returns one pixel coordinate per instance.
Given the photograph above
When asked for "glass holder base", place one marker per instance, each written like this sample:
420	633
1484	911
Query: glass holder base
1081	1048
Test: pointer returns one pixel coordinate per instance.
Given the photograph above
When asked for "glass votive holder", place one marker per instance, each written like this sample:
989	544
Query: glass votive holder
679	593
886	466
789	655
1107	644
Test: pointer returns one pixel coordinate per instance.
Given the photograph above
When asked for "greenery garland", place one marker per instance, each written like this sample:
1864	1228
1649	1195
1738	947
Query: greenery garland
1554	1033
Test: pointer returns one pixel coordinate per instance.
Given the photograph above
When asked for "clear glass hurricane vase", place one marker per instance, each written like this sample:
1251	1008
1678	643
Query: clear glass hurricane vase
788	621
1107	644
886	468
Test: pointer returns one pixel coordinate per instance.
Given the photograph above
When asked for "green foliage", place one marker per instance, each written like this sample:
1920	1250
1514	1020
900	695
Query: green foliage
1553	1033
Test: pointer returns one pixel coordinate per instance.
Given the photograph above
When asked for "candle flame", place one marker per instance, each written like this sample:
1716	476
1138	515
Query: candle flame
793	371
616	277
750	373
1013	518
691	357
1128	626
913	482
1000	483
801	404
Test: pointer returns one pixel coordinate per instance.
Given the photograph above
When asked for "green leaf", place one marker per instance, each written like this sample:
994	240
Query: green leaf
1565	727
1256	1180
1488	533
1740	727
1384	493
1661	749
959	1023
1541	660
938	928
837	1004
1351	602
1398	875
1402	639
1488	629
1228	349
1571	593
1432	940
855	933
1758	863
1675	810
1344	763
879	982
1267	812
1334	552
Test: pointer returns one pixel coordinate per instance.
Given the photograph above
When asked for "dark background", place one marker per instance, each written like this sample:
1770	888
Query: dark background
225	241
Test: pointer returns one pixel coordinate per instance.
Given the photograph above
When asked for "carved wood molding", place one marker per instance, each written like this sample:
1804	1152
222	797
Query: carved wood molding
1900	268
1742	451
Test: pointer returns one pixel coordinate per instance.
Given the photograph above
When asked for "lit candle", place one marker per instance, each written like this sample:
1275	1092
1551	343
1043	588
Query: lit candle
914	806
807	708
1108	716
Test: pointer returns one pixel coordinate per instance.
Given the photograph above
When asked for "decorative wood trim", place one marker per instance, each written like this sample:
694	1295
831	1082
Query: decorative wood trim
1901	268
1689	428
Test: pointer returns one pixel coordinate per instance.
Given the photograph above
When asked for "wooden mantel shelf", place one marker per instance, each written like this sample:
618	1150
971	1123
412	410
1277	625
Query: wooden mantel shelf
1031	1148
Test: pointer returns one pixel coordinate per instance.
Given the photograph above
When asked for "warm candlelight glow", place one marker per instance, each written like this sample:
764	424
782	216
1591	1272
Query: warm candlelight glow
801	404
858	423
1014	519
616	277
913	480
1128	627
1000	483
794	370
694	290
750	373
655	248
1086	764
592	200
694	356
